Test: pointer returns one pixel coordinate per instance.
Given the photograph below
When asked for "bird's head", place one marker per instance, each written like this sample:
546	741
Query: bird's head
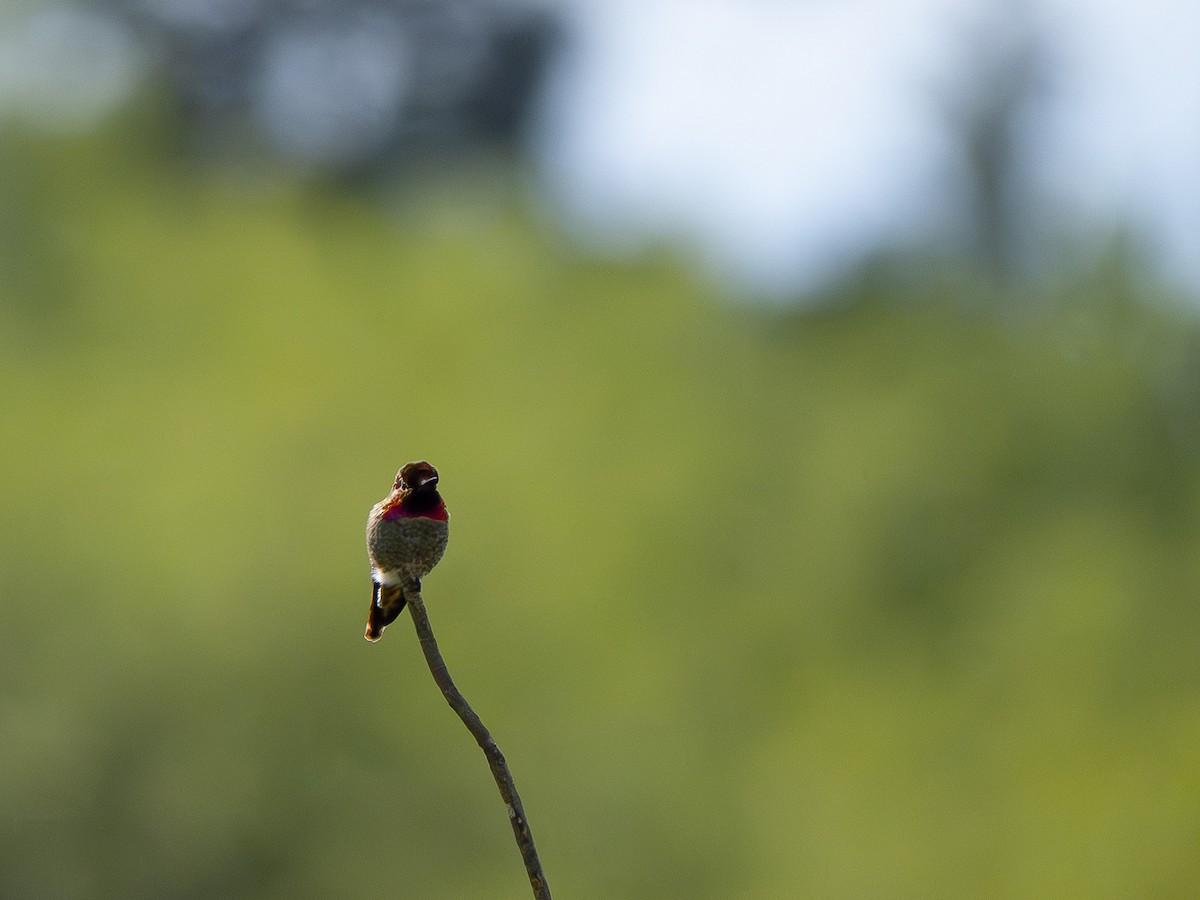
415	494
416	478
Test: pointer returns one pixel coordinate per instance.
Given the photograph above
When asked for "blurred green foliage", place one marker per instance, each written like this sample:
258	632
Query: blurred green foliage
891	598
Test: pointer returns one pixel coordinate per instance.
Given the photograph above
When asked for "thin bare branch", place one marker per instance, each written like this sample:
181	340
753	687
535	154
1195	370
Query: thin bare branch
500	771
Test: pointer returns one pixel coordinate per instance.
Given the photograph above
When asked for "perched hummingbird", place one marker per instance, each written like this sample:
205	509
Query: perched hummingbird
406	536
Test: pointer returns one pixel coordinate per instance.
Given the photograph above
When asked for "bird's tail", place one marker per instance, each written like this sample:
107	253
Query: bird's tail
387	602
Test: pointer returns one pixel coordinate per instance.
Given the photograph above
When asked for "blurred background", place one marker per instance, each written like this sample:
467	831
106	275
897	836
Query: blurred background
815	392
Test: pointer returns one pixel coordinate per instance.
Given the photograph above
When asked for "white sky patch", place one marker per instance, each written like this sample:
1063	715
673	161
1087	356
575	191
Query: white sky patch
786	142
1122	144
63	68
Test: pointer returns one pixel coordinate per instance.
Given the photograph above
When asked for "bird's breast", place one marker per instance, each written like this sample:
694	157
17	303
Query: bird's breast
410	543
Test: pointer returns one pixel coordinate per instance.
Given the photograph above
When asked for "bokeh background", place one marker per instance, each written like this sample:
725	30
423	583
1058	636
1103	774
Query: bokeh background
815	392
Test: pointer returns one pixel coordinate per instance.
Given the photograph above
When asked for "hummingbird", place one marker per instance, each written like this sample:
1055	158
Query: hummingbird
406	536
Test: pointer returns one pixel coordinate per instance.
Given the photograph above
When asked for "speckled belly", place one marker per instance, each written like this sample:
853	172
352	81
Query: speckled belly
410	546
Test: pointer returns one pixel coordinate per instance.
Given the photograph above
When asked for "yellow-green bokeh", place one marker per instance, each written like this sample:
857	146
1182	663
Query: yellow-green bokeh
889	599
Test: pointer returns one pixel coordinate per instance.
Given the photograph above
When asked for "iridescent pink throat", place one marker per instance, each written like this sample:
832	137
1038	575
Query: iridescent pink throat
398	511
